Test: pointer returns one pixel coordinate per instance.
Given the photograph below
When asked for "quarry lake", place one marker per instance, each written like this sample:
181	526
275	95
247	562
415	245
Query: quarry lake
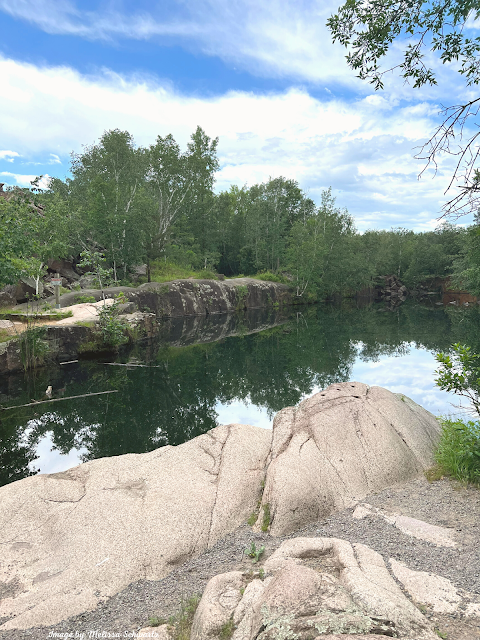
221	369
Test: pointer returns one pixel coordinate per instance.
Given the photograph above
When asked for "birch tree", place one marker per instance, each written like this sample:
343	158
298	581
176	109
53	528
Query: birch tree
108	178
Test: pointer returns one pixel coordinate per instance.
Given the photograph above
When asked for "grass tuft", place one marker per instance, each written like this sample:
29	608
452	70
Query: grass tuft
266	517
5	336
434	474
180	625
227	629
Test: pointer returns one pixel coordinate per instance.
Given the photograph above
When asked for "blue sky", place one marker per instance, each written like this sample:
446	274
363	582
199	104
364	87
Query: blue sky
263	77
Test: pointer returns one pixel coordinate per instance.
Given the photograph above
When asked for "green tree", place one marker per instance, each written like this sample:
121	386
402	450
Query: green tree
460	373
467	265
30	234
421	27
168	185
193	230
321	255
106	187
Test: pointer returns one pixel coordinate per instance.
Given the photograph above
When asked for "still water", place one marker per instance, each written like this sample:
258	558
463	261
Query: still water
207	371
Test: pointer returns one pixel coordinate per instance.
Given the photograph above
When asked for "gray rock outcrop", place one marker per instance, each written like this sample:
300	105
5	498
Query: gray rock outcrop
190	297
310	587
337	447
26	288
72	539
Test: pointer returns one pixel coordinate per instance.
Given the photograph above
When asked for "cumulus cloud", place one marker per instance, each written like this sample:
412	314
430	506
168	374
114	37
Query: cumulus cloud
9	156
23	180
363	148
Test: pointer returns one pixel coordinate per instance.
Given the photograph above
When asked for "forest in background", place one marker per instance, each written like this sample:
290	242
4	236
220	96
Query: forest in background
157	206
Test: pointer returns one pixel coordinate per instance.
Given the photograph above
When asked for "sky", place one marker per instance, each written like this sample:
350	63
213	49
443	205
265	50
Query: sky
263	77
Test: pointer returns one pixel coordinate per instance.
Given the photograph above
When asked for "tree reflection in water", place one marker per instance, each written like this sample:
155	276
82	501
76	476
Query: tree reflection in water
195	365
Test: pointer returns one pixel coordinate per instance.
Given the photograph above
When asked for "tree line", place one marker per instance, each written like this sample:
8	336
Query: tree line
156	205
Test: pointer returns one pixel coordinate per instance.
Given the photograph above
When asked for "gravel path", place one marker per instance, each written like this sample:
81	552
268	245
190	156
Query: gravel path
443	503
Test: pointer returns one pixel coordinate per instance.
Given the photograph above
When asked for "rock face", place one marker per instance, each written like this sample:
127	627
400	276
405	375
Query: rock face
393	291
197	297
7	296
71	539
64	268
337	447
26	288
62	343
308	588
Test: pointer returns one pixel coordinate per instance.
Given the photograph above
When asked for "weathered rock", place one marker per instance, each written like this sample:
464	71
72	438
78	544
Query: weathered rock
87	281
26	288
439	536
180	298
10	357
72	539
203	297
315	588
159	633
64	268
337	447
427	588
220	599
7	296
7	325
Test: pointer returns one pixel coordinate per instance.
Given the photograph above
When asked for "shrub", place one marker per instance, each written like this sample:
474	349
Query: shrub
111	326
458	453
460	373
271	277
267	519
82	298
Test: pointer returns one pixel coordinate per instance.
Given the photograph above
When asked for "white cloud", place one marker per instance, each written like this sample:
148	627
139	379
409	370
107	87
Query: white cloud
363	149
281	38
25	180
8	155
54	159
284	38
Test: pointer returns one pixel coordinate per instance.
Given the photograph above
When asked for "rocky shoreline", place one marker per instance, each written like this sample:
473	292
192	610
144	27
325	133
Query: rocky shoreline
148	310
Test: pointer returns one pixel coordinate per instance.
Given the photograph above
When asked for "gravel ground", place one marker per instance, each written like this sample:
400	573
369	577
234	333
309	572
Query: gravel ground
443	503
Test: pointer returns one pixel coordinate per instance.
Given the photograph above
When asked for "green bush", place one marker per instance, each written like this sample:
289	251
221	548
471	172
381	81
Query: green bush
111	326
271	277
83	298
458	453
162	271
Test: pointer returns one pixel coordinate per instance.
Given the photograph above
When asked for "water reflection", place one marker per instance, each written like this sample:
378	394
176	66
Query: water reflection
197	377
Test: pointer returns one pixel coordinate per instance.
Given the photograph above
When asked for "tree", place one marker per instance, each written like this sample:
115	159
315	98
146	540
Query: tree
201	164
14	239
106	185
369	27
168	186
320	255
30	234
460	373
